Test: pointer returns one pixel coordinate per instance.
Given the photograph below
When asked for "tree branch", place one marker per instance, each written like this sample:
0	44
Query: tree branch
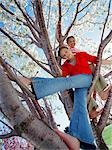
100	52
86	6
49	12
9	71
25	51
14	69
77	12
106	21
31	102
50	117
6	124
99	56
69	28
26	17
105	114
27	126
68	9
38	40
33	105
8	135
46	45
11	13
108	74
58	30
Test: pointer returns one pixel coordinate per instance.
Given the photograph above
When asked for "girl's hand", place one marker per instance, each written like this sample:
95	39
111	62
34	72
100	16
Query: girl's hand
106	62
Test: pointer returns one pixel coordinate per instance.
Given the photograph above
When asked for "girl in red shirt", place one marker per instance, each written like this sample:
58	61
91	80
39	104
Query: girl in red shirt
101	87
80	78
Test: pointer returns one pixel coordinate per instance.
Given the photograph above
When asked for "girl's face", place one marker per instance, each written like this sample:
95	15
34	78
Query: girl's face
66	54
71	42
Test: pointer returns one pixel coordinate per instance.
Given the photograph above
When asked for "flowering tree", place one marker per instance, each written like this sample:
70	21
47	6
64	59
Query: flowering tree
37	28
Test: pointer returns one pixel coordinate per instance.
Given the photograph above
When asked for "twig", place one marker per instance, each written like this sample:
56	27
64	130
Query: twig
108	74
23	87
15	70
6	124
8	135
106	21
25	16
77	10
86	6
67	9
49	12
11	13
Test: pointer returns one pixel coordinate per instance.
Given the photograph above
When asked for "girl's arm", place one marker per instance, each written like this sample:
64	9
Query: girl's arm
60	72
106	62
93	59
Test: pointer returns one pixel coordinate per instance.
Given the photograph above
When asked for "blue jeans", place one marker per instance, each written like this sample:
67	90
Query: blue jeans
79	123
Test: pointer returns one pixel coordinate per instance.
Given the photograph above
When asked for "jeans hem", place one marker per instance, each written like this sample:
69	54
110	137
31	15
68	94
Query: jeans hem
80	139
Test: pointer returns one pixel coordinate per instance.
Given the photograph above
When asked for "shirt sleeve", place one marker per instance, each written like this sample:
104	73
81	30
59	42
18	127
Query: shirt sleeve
91	58
65	70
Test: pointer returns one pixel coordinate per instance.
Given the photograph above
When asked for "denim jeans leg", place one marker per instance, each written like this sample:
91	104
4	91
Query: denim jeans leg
47	86
80	126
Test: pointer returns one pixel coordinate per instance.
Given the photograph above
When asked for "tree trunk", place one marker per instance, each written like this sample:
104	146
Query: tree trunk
26	125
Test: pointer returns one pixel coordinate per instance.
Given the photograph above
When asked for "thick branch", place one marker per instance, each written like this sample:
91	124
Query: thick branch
23	87
28	126
45	39
27	95
39	113
59	30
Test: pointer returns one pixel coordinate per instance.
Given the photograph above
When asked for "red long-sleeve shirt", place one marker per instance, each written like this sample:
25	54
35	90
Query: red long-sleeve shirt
81	66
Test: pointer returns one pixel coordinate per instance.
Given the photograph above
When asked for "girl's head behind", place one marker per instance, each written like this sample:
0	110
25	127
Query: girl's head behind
71	41
65	53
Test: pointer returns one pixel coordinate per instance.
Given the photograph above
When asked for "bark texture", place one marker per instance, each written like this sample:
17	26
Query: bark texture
25	124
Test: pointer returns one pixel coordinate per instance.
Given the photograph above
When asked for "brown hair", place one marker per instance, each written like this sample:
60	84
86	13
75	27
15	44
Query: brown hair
61	49
69	37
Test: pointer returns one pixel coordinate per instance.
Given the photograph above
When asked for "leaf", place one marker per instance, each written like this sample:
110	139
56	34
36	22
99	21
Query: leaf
107	136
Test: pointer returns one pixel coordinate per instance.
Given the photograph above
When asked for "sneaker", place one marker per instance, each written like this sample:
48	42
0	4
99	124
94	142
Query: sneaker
66	130
86	146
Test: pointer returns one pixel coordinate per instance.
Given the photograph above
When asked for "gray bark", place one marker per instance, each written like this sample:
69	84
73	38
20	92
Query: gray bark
25	124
